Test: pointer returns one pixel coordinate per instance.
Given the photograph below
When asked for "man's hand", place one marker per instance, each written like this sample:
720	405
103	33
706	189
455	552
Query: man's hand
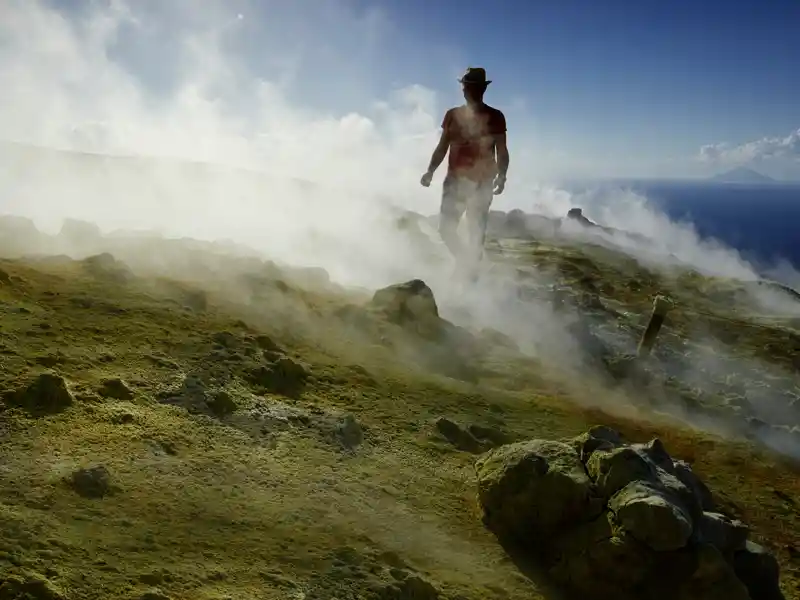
426	179
499	184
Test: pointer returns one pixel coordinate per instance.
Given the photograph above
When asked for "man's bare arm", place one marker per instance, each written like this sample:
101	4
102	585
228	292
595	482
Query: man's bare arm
502	153
439	152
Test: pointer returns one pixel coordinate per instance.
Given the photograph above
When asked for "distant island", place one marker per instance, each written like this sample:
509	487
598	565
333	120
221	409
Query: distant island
742	175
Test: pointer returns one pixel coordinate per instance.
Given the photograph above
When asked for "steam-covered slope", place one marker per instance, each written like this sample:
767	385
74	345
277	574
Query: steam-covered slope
251	431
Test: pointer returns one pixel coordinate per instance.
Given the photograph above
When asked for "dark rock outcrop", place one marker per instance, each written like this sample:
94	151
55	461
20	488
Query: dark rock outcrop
532	490
606	519
284	375
116	389
92	482
47	394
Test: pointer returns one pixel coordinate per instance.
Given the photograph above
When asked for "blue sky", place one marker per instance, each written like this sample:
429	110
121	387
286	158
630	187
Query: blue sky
592	88
659	79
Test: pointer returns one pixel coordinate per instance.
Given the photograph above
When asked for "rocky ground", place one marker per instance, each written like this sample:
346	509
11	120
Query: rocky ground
235	429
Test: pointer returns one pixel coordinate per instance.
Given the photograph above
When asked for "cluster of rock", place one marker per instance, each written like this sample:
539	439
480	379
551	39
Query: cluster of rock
606	519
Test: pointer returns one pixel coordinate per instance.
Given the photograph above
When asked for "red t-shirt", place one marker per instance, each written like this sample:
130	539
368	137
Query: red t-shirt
471	131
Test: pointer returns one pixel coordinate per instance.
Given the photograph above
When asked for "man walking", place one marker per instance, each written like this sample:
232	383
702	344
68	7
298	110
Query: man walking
475	135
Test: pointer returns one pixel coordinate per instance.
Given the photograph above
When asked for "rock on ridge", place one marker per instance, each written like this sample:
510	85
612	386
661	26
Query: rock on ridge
608	519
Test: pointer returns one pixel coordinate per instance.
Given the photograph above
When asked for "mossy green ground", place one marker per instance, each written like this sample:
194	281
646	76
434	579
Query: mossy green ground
216	507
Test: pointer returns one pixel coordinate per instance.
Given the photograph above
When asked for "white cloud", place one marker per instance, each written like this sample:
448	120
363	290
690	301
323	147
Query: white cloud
767	148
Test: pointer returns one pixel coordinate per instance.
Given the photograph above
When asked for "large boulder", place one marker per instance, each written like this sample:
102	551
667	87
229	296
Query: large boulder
532	490
608	519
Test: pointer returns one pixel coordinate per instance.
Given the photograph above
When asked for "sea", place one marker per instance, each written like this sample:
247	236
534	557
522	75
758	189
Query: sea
760	220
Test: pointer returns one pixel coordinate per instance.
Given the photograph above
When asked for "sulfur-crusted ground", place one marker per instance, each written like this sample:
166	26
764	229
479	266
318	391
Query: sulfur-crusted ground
260	436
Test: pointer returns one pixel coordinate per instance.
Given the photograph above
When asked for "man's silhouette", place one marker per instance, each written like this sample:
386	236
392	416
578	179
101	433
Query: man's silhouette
475	135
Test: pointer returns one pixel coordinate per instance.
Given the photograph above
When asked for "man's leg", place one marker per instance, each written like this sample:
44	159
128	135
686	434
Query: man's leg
478	206
450	213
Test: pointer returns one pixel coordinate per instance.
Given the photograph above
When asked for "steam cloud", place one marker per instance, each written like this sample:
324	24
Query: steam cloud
294	94
269	123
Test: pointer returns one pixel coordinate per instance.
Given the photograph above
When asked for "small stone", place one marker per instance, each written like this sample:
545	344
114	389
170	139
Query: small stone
458	436
92	482
115	388
123	418
50	360
489	436
221	404
349	432
153	578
